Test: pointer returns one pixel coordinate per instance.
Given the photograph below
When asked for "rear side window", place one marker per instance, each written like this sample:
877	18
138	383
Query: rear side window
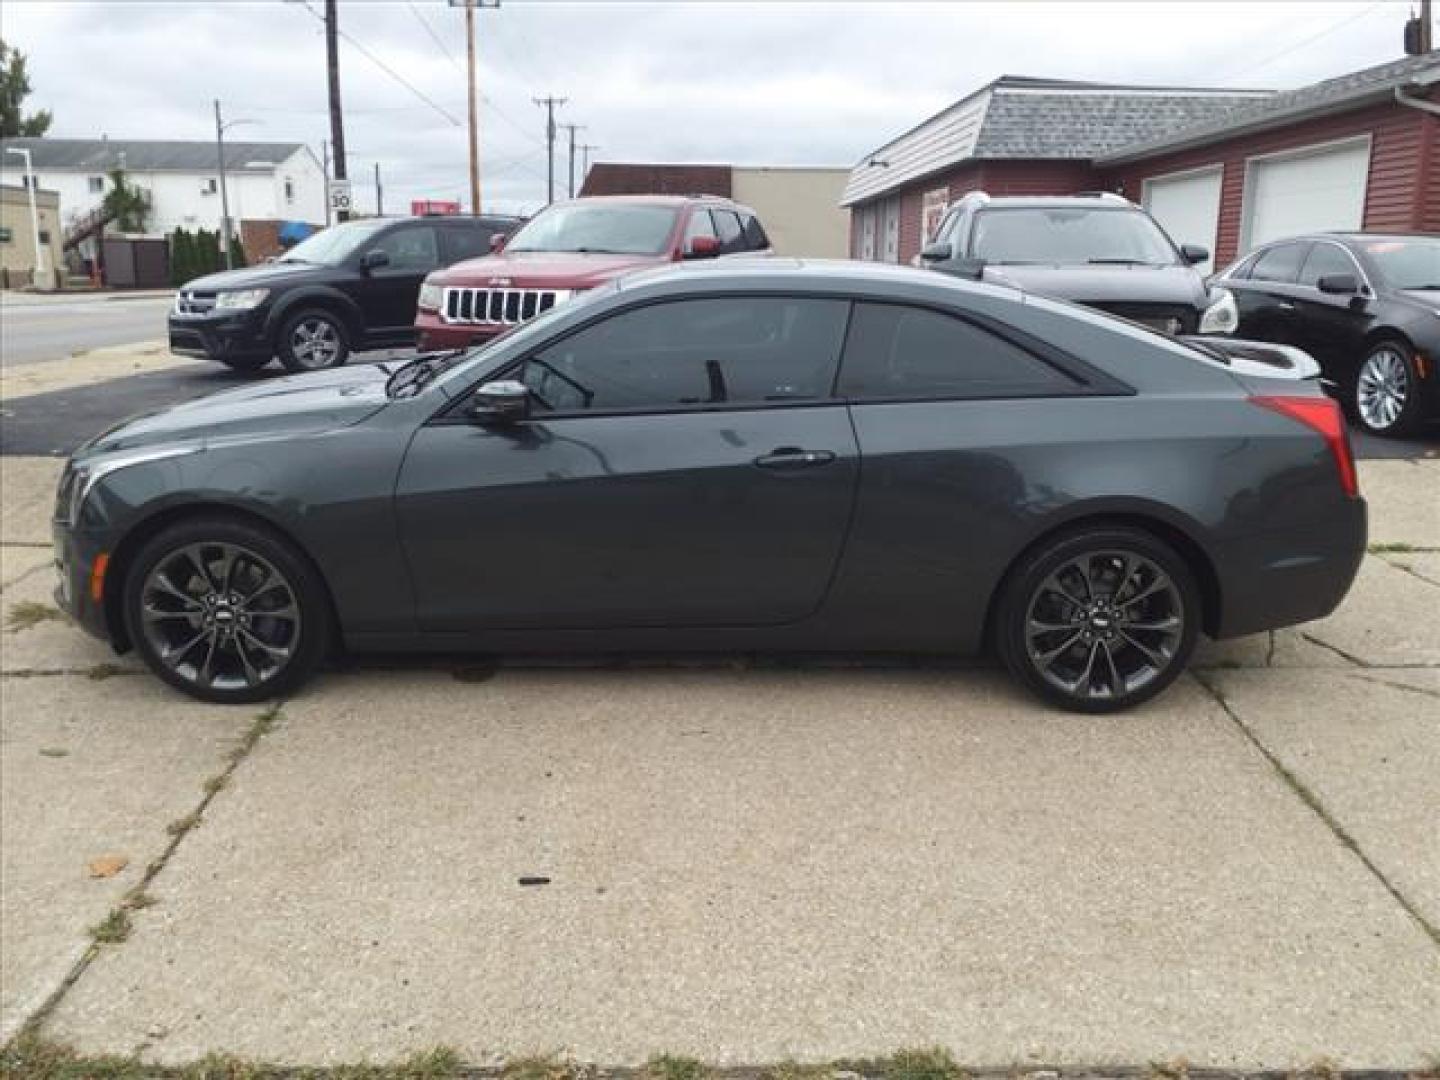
745	351
755	238
1280	264
902	352
465	242
728	225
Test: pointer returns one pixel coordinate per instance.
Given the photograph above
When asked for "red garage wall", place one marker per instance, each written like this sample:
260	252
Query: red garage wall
1403	192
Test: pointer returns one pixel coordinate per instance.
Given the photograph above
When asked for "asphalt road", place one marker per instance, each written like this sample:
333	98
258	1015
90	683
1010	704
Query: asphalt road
39	330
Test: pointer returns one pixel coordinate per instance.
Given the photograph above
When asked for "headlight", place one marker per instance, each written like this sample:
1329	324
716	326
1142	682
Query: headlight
430	297
241	299
1221	317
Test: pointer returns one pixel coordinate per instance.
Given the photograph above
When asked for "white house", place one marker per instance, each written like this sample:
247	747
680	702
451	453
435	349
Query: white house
264	180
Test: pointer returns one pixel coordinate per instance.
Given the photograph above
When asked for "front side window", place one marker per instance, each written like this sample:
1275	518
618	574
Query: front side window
1410	263
410	249
330	247
465	242
1281	264
700	224
902	352
1326	260
613	228
1065	235
723	351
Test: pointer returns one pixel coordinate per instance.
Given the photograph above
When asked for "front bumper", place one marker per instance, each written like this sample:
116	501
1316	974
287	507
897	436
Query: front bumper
433	334
231	335
76	554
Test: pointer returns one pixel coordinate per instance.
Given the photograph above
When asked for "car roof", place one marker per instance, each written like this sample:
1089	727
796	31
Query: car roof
1089	202
658	200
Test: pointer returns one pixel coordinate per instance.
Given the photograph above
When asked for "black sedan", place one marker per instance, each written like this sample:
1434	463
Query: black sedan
1366	306
767	455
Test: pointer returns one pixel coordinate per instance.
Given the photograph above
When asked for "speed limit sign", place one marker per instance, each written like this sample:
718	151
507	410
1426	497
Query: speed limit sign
339	195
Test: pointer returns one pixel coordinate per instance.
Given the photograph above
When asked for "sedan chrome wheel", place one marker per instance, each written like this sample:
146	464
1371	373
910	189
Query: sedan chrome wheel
219	616
315	343
1104	625
1382	387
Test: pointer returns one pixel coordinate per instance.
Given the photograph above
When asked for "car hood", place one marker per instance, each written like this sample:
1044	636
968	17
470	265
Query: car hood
542	269
1105	284
296	405
263	276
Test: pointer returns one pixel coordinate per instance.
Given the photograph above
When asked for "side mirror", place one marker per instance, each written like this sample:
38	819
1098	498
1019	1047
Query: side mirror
504	402
1194	254
973	269
937	251
703	247
1338	284
373	260
497	242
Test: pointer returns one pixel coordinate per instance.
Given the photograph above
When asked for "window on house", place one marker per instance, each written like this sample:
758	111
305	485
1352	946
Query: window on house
96	184
209	186
289	190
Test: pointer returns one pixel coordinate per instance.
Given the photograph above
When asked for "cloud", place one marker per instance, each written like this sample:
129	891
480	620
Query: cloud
759	83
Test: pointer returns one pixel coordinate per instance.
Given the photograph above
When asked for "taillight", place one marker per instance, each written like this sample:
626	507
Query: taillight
1324	417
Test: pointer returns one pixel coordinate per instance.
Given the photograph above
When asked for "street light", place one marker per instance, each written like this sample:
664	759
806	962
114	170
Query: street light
41	273
220	129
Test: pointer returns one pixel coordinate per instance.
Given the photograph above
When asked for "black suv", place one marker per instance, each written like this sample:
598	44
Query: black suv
347	288
1096	249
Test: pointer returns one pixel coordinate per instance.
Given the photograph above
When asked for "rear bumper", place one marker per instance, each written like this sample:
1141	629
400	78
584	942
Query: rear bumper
220	337
435	335
1290	576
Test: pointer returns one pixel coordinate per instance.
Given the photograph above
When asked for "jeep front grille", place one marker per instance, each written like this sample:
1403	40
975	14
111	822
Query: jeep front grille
501	307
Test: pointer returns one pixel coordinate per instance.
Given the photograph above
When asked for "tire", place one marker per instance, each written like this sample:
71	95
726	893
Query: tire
245	363
1099	656
262	638
1385	393
313	340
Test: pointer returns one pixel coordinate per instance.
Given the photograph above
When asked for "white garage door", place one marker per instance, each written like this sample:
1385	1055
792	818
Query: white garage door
1187	207
1306	192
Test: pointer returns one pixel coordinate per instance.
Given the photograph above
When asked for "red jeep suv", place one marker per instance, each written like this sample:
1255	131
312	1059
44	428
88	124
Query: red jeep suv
572	246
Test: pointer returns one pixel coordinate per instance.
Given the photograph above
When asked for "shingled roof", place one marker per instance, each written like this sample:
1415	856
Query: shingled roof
1021	117
146	155
1345	92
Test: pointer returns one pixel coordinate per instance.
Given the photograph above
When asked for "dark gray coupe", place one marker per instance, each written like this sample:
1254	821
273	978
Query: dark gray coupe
761	455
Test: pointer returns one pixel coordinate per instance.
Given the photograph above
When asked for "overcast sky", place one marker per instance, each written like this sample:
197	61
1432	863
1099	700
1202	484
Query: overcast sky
750	83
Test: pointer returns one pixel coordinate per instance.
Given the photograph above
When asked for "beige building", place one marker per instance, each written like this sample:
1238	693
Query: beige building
17	237
799	205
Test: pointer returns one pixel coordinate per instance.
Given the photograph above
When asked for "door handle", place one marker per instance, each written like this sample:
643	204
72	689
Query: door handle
793	457
1285	305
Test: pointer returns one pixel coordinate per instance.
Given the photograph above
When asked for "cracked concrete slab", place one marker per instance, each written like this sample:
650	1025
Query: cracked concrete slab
1371	756
1389	618
29	486
87	770
751	866
1404	500
54	643
1423	564
1285	648
18	562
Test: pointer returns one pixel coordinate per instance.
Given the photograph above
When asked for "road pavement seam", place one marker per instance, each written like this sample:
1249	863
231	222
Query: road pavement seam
1366	677
1313	801
115	928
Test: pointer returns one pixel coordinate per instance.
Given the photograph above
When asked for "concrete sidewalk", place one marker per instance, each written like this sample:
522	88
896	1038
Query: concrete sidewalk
742	865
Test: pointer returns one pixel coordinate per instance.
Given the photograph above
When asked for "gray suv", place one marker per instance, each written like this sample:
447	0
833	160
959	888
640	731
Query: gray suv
1096	249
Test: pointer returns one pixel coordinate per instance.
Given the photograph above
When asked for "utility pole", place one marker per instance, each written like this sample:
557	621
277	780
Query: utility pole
1426	27
474	114
379	193
337	120
325	172
550	103
585	149
572	129
224	196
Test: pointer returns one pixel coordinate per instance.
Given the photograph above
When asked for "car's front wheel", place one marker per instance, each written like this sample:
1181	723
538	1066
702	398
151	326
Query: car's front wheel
226	611
313	340
1099	619
1386	395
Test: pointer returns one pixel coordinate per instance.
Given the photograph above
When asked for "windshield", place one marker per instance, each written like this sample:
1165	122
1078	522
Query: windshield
616	228
330	247
1406	264
1069	235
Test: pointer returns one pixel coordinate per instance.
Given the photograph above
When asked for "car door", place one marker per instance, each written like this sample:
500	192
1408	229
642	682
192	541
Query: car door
683	465
388	293
1331	327
1266	295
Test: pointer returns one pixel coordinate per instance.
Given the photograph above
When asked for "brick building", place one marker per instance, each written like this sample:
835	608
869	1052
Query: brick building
1226	169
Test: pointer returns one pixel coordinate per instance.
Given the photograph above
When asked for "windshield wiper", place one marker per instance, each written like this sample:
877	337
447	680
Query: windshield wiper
415	374
1121	262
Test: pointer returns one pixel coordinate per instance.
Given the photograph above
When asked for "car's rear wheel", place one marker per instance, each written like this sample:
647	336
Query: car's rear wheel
1099	619
1386	394
313	340
226	611
245	363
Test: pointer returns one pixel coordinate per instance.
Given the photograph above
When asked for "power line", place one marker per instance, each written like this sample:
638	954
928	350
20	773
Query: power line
386	68
439	42
1304	41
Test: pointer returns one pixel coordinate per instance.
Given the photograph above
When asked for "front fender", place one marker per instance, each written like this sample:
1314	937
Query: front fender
315	296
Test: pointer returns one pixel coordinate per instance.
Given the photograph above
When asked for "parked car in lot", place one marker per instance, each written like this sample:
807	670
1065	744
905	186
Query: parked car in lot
1366	306
763	455
1097	249
573	246
346	288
